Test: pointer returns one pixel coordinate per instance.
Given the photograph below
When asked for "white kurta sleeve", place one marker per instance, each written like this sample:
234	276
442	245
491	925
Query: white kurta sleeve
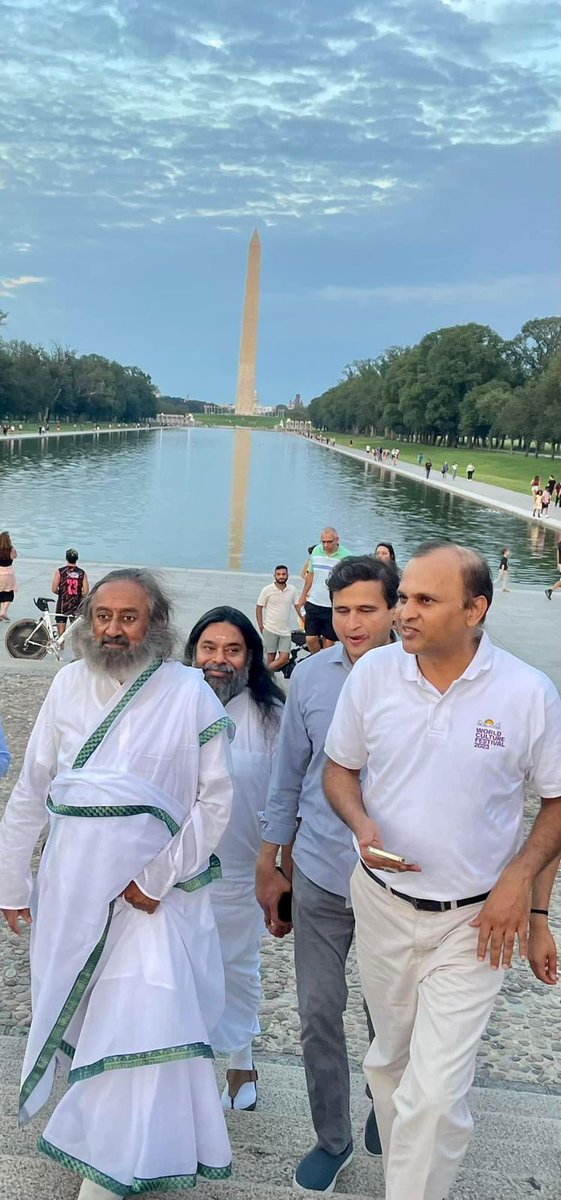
26	816
187	854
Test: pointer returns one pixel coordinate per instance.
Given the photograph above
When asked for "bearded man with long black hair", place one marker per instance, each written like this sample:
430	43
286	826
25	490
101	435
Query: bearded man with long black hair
229	651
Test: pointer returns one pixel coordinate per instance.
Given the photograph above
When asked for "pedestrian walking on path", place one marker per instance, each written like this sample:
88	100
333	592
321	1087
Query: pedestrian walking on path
364	594
428	467
129	762
227	648
442	713
470	469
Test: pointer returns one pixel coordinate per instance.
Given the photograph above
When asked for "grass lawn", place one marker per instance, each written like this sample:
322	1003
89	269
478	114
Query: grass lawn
500	467
255	422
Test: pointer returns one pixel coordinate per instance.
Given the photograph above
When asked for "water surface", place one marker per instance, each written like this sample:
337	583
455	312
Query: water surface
237	499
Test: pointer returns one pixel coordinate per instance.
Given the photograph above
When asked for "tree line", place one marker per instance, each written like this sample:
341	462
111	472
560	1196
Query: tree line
59	385
460	385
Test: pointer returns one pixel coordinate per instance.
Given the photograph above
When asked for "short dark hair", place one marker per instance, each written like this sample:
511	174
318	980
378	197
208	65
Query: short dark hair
264	690
364	568
72	556
281	567
389	547
476	573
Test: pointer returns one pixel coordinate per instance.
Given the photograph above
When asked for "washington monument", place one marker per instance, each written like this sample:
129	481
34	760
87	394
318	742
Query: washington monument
246	396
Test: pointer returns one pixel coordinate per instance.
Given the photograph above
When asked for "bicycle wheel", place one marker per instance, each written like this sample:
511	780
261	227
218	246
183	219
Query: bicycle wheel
26	639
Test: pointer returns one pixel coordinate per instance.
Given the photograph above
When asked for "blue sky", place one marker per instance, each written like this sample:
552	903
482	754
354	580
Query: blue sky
398	157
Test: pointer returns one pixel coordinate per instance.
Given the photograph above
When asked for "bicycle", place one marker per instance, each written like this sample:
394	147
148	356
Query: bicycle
32	639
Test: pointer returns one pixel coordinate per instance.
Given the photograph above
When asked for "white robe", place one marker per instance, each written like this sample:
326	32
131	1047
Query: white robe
126	999
238	915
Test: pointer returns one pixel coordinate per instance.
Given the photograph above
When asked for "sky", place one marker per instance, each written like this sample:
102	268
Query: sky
398	157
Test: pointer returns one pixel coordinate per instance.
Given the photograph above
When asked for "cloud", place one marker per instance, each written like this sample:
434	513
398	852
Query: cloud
293	114
8	287
434	294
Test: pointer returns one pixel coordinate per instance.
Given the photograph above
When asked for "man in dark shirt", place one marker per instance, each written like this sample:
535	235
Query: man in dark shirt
70	584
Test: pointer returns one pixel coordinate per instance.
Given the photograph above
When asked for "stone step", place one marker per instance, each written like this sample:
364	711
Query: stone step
514	1152
26	1178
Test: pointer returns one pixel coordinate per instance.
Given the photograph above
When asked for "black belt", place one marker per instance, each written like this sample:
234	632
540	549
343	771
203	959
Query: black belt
420	903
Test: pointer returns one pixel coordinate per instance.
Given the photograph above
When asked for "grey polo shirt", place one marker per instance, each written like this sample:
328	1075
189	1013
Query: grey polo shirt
323	850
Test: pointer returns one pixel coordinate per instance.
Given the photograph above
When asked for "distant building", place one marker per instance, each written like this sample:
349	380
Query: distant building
175	419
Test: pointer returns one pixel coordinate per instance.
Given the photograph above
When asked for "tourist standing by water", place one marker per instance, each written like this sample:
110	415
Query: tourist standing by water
503	569
273	613
364	593
315	594
454	470
444	714
386	553
8	583
70	584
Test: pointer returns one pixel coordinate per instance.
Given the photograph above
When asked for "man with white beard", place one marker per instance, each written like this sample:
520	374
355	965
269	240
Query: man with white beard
229	651
129	764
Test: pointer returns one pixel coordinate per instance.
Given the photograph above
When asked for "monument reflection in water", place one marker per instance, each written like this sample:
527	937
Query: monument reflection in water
238	499
240	490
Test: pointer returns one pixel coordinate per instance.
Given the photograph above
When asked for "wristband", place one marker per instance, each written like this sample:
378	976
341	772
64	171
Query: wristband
541	912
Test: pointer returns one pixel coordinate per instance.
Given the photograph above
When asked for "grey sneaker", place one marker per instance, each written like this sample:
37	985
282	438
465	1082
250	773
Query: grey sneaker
318	1171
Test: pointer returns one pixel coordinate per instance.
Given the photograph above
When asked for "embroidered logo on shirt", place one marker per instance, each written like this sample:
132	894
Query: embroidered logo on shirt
487	734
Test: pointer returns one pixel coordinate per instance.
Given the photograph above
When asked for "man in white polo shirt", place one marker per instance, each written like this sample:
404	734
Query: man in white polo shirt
273	612
320	634
449	729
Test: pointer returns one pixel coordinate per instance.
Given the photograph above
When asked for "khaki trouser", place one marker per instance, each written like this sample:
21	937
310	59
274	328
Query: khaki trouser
430	1000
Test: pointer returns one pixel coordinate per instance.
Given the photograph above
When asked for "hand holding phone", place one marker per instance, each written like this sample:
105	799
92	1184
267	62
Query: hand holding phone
376	856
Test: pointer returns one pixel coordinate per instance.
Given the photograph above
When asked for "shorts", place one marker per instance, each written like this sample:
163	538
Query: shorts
276	643
318	622
62	618
6	597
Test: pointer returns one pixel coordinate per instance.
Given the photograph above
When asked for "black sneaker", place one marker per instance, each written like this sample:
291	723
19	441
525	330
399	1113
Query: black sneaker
372	1143
318	1171
548	592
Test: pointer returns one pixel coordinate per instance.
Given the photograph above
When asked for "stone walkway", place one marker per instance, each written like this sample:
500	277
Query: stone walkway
521	1049
482	493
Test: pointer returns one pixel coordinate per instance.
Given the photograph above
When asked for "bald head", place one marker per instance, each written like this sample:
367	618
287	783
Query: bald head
472	566
330	539
444	596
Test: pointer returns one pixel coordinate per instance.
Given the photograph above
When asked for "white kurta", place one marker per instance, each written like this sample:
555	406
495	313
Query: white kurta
238	915
126	999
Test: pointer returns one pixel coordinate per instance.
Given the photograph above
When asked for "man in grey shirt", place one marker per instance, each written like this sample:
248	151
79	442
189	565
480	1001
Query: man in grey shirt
363	591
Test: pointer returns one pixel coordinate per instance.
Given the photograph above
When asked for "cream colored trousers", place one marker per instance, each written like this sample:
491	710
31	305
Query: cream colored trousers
430	1000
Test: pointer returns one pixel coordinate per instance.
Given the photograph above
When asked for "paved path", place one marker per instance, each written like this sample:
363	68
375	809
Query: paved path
483	493
517	1100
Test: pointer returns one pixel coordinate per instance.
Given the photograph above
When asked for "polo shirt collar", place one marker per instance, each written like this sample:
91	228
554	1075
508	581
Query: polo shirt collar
481	661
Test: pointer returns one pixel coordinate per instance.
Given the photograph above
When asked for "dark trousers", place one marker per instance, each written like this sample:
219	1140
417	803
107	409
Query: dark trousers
323	932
